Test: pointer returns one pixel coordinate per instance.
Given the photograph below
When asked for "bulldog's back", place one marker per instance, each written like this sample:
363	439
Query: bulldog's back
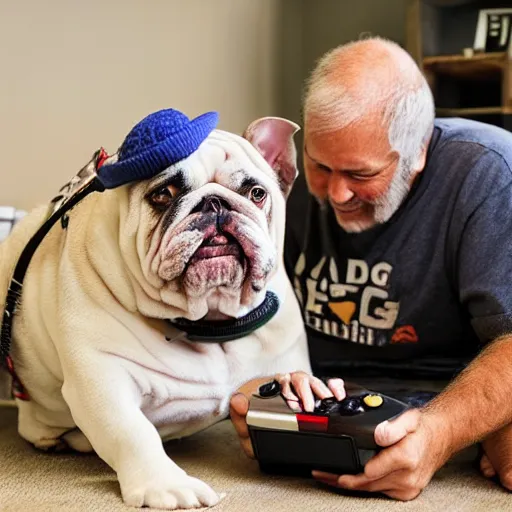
13	245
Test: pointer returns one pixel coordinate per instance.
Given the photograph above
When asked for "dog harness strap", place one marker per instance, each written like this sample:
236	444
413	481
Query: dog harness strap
229	330
77	189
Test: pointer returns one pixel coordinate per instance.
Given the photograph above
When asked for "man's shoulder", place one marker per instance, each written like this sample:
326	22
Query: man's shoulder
476	138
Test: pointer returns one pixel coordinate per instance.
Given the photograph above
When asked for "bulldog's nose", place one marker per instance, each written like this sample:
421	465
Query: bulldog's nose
213	204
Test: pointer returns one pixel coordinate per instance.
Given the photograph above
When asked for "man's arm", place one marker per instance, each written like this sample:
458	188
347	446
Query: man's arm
479	400
477	403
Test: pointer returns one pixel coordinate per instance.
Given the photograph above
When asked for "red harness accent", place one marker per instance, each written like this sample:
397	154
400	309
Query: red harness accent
17	387
101	158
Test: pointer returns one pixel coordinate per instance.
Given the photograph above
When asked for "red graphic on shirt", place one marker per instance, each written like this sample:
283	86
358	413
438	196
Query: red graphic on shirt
405	334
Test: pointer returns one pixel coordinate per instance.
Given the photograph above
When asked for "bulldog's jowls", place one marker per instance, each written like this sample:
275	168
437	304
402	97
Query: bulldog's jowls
104	369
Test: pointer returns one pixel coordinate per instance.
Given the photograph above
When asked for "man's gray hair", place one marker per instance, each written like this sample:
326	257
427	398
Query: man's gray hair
406	102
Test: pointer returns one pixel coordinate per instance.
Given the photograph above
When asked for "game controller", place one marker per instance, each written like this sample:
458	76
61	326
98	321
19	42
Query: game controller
337	437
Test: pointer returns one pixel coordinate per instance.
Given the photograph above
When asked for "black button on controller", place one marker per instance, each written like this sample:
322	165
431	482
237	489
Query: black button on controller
350	407
269	389
326	405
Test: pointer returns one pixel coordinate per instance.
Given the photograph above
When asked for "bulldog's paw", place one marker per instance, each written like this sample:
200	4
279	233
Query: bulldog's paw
73	439
170	491
50	445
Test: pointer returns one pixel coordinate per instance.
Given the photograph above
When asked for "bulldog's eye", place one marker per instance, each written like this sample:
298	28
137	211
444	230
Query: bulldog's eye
258	194
161	197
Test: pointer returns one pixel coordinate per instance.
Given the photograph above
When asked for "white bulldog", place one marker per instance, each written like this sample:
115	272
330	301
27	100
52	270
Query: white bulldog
104	369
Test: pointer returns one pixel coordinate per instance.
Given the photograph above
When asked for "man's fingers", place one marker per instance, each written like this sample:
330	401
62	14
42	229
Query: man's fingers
390	432
391	460
246	445
486	467
498	451
238	411
363	483
240	404
286	390
326	478
391	485
301	384
240	426
294	405
351	482
337	386
402	495
304	387
320	389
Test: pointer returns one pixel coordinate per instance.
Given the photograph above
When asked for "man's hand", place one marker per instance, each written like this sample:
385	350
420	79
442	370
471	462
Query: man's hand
299	390
238	411
415	450
497	459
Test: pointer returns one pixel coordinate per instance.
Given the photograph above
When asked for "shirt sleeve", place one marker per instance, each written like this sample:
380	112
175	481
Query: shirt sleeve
483	216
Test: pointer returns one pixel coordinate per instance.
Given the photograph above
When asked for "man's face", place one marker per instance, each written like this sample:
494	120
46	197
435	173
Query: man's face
356	171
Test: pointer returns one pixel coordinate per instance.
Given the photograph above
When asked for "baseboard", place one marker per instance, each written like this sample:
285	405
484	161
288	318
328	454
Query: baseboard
7	403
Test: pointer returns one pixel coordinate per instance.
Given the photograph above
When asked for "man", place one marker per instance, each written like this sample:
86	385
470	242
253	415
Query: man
404	261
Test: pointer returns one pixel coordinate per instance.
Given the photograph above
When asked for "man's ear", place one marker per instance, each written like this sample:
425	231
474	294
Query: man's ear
273	138
421	161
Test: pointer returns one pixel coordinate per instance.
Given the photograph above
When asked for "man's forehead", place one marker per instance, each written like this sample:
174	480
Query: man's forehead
356	146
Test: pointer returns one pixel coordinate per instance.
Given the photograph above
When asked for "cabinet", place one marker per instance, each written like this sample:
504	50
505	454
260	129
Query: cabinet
465	83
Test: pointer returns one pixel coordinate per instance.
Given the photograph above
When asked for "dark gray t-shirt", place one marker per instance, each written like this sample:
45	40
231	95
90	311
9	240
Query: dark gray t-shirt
421	294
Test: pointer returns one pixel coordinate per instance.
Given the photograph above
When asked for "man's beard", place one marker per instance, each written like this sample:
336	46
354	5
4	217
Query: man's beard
385	206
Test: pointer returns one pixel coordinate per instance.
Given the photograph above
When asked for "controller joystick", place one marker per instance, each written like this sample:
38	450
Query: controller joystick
269	389
326	405
350	407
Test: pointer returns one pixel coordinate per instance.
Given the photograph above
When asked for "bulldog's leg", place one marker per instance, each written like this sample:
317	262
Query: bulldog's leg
105	404
47	438
75	439
50	428
39	426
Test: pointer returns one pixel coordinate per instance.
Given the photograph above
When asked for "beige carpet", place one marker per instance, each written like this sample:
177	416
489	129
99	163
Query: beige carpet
34	481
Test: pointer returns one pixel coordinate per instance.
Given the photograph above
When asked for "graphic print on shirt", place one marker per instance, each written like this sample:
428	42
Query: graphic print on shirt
355	308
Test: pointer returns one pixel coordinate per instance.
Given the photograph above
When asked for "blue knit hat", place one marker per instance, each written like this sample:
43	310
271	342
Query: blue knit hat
158	141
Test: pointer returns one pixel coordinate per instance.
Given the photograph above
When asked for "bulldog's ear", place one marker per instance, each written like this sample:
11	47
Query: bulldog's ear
273	138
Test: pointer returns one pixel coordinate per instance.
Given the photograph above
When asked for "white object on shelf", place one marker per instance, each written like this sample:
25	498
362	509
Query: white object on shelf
8	217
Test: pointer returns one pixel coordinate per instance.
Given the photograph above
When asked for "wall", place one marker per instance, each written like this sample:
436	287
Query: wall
328	23
312	27
77	74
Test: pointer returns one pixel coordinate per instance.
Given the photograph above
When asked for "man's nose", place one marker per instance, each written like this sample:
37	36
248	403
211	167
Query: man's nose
338	189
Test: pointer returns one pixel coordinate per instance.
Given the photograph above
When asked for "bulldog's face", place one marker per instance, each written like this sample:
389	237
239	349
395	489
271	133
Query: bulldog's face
210	228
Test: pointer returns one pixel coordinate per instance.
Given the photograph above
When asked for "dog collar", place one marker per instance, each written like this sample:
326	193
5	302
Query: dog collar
221	331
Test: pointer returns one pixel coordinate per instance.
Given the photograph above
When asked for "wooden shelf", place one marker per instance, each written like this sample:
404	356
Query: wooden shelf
437	34
456	112
482	66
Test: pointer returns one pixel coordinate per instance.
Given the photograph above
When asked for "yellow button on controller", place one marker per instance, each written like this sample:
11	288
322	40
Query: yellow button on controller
373	400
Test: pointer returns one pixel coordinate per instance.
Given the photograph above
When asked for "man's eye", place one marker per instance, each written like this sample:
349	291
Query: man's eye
361	177
161	198
323	168
257	194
